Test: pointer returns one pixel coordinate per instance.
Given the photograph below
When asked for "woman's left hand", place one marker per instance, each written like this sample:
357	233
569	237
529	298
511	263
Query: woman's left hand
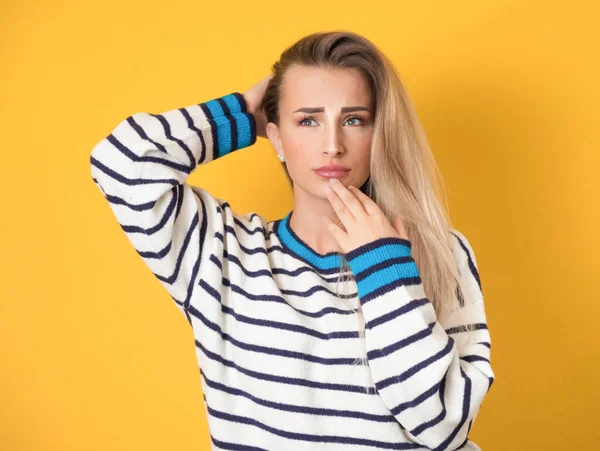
362	218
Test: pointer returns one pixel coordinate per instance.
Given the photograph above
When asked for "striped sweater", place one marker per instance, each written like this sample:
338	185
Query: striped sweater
276	346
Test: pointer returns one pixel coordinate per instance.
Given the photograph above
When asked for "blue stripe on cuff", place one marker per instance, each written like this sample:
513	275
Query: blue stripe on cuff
223	124
233	103
244	127
377	252
372	274
235	125
386	276
215	108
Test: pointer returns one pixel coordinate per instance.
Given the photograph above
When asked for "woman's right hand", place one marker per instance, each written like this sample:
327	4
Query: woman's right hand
253	97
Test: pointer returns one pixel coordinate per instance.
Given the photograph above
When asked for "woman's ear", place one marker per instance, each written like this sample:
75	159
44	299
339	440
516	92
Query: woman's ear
274	138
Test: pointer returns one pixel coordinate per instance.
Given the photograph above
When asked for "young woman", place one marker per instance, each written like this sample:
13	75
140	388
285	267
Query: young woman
356	322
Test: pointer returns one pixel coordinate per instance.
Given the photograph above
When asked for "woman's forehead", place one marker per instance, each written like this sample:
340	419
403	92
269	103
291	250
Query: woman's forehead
305	86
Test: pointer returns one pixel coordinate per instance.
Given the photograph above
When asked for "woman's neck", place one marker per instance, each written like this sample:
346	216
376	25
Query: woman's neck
306	222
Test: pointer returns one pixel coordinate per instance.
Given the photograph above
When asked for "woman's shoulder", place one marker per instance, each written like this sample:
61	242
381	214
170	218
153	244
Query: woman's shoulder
230	219
250	224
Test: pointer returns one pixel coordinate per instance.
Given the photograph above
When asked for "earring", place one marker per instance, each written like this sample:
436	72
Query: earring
281	158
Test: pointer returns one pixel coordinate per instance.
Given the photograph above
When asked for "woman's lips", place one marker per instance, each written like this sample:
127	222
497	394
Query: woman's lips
331	174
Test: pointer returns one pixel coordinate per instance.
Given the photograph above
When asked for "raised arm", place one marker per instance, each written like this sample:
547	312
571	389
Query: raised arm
431	377
141	168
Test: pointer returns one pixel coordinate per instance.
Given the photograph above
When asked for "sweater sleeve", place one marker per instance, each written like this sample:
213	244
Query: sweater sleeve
430	373
141	168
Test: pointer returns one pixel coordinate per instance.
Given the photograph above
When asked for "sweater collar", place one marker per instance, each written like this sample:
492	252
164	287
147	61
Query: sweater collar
329	262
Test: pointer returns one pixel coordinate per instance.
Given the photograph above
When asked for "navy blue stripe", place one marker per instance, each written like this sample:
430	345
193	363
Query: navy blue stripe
288	252
277	324
202	241
242	101
296	272
232	231
416	368
465	413
474	358
167	128
472	266
308	293
156	255
414	304
252	215
389	288
429	424
192	126
259	229
311	437
276	248
319	411
213	130
245	250
164	219
374	245
235	446
280	300
379	266
265	272
415	402
115	200
268	350
281	379
146	159
142	133
224	205
234	131
387	350
127	181
165	251
280	325
180	194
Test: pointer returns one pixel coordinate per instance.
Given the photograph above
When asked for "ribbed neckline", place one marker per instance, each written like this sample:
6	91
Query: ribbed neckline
293	243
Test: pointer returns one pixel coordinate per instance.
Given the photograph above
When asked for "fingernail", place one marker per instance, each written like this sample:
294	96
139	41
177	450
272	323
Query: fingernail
333	181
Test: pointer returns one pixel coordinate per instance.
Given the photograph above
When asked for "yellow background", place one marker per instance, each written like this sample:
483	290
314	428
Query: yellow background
94	355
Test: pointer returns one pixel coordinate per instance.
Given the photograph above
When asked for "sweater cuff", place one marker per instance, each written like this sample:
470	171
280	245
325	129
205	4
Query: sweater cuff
235	127
382	265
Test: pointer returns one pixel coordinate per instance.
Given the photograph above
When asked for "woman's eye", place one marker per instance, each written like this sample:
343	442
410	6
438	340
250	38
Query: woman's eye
350	119
355	118
304	120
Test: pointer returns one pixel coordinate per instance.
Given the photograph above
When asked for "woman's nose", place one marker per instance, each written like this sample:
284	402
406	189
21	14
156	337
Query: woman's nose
333	152
333	142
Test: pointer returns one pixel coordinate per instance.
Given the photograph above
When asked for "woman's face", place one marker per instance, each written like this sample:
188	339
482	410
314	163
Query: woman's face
325	118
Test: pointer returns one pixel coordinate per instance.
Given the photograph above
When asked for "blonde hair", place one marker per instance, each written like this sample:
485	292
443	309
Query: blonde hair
404	177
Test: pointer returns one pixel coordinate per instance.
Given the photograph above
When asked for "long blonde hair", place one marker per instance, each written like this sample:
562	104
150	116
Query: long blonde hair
404	177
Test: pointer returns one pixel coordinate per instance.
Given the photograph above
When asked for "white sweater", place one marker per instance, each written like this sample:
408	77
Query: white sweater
274	344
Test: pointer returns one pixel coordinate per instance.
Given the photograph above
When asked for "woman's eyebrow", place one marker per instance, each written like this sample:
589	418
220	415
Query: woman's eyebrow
346	109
